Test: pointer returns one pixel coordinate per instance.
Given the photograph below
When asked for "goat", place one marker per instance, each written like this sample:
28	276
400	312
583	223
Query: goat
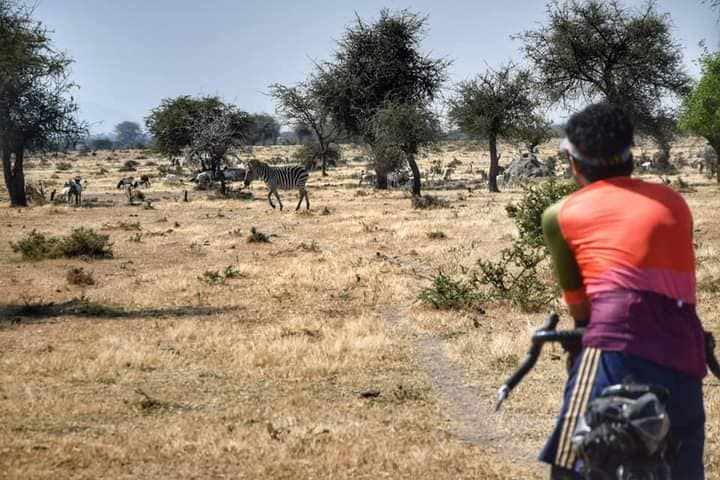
367	177
203	179
144	180
124	182
72	188
172	179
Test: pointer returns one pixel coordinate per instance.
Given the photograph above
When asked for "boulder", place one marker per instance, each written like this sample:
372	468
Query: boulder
526	166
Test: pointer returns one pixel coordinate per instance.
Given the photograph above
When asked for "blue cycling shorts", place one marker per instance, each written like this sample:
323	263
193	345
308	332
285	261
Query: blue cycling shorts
594	370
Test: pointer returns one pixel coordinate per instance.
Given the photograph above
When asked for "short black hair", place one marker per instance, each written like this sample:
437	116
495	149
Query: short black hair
601	131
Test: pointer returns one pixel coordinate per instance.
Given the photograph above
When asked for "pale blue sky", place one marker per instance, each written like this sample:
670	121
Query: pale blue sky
130	54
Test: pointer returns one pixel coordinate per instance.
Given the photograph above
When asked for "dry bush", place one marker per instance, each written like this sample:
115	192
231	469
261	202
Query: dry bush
257	236
78	276
429	201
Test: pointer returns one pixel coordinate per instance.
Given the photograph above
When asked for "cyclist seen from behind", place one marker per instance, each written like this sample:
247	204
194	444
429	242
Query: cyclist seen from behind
623	254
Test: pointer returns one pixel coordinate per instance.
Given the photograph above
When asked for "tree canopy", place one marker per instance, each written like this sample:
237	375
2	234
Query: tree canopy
300	107
700	111
593	50
376	63
400	130
171	123
214	133
36	106
496	104
128	134
263	129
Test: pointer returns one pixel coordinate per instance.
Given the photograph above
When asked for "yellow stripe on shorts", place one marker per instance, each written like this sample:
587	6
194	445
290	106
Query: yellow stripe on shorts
579	397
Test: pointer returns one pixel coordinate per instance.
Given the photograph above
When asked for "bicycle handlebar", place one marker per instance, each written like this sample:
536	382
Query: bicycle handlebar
547	333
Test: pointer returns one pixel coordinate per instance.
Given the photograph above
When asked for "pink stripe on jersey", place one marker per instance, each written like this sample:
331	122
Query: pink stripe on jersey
673	284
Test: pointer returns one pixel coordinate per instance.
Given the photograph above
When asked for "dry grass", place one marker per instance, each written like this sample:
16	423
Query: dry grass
288	369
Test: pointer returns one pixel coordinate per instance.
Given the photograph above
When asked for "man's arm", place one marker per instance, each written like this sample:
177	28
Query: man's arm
567	270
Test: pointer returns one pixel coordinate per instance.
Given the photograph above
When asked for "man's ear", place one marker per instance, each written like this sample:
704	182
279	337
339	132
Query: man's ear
577	171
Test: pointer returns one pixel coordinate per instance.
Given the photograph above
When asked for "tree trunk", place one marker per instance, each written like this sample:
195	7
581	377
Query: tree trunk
323	159
416	175
715	145
381	180
14	176
492	174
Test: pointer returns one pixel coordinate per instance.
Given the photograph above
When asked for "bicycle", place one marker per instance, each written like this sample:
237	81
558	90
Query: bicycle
624	433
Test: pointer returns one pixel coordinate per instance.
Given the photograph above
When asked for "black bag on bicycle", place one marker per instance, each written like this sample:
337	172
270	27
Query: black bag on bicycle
625	434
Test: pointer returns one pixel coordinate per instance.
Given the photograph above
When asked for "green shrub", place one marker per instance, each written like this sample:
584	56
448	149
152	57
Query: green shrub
129	166
81	242
517	277
215	277
85	242
436	235
36	246
212	277
527	213
63	166
447	293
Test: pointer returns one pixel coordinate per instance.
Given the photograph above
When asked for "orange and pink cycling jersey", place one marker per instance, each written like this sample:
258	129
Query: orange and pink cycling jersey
626	246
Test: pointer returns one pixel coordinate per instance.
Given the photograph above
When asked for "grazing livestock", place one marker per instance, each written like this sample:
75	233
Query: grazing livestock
398	178
366	177
124	182
287	177
72	190
172	179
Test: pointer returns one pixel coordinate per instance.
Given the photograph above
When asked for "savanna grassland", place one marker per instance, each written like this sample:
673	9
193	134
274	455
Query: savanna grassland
195	353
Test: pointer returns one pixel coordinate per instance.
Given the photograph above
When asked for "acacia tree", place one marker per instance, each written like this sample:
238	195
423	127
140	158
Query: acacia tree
700	111
302	108
172	122
215	133
497	104
376	63
36	109
592	50
401	130
128	134
263	129
535	131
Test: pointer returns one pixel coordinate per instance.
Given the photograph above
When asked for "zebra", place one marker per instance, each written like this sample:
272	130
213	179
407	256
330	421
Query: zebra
285	178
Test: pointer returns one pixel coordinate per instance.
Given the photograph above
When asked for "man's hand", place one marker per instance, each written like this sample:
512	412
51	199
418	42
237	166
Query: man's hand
580	312
573	350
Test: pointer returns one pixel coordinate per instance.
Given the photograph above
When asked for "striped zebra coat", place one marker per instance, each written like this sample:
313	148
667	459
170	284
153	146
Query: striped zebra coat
284	178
